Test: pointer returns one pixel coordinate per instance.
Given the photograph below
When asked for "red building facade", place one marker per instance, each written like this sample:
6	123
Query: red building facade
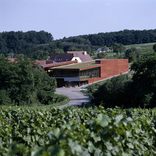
89	72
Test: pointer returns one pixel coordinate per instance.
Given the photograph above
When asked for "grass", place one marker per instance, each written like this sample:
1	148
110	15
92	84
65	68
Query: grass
79	65
143	48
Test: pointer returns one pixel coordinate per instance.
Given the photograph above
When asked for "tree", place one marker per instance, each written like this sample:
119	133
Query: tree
101	55
24	83
118	48
132	54
144	82
112	93
154	47
23	42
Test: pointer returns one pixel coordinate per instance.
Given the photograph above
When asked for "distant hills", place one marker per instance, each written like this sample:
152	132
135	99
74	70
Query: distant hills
41	44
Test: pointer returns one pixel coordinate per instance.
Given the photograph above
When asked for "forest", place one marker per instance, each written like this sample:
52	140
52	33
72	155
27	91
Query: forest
39	45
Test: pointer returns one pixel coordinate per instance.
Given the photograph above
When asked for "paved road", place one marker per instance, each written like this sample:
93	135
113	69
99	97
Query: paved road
74	94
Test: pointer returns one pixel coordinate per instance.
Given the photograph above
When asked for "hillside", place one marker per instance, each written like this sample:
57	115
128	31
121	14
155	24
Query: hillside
39	45
143	48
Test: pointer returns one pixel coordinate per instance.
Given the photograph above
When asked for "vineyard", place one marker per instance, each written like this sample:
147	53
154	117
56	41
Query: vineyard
77	131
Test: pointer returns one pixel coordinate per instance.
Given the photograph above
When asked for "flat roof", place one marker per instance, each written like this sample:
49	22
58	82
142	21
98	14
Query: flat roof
80	66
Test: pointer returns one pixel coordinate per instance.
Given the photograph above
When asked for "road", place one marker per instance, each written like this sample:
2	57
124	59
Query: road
74	94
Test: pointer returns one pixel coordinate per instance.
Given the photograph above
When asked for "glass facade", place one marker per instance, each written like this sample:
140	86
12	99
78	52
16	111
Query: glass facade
90	73
84	74
65	73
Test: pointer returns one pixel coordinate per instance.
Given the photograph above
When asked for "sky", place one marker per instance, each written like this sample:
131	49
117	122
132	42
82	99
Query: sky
64	18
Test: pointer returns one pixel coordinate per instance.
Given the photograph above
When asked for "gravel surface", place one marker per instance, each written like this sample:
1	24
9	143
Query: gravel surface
74	94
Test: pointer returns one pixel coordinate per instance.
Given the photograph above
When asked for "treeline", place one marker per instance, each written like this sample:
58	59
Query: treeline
125	37
12	43
39	45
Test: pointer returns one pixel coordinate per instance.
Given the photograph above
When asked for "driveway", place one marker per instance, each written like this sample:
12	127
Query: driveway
74	94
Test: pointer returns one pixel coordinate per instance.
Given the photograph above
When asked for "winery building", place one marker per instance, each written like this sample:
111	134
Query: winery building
88	72
78	68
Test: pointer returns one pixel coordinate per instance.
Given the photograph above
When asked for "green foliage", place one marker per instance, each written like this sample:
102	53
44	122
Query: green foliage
77	132
132	54
118	48
23	42
154	47
23	83
142	48
111	93
125	37
101	55
144	82
4	98
39	45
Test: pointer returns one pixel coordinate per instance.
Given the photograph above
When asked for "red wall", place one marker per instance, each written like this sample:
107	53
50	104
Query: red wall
111	67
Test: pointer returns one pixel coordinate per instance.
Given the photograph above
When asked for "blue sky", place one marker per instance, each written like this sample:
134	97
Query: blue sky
76	17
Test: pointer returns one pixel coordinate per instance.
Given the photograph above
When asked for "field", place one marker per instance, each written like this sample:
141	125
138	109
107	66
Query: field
77	131
143	48
146	48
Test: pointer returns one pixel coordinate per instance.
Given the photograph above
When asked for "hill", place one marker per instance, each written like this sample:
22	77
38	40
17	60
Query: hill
39	45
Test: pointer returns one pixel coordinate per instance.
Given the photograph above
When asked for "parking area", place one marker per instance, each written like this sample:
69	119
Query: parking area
74	94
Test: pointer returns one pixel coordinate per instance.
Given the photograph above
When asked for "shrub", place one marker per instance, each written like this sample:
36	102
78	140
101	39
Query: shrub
112	93
25	83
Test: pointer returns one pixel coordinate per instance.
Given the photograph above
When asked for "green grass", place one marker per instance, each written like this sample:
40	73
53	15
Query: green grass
78	65
143	48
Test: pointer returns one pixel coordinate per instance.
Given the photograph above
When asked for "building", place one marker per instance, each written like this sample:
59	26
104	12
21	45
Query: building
103	50
79	56
88	72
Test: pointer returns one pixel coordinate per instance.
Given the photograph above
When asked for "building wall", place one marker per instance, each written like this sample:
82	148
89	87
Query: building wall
111	67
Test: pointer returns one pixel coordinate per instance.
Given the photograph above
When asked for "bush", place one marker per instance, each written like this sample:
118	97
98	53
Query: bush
4	98
112	93
25	83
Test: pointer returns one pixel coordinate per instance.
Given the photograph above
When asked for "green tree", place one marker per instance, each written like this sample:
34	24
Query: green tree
154	47
45	87
101	55
144	82
118	48
132	54
4	98
112	93
23	83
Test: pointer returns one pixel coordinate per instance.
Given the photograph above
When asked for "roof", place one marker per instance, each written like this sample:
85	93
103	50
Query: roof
45	65
40	62
83	55
61	57
80	66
